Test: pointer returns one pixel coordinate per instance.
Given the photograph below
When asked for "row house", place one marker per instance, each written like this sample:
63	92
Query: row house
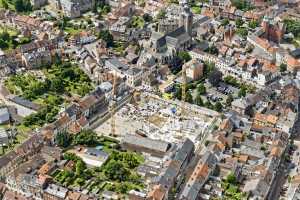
233	13
37	59
173	167
40	46
13	159
200	175
77	116
26	22
28	185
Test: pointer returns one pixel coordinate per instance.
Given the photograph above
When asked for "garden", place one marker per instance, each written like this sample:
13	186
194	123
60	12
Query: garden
118	174
58	80
231	190
9	38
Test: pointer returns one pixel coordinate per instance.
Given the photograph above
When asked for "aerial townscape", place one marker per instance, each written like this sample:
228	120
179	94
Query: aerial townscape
149	99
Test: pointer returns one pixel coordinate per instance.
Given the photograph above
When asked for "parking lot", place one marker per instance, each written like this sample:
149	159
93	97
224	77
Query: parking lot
220	93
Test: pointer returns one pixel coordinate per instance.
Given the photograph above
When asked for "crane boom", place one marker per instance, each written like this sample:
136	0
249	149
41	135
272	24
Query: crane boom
112	108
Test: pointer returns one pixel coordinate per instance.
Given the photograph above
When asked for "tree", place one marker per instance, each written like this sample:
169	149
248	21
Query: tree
3	44
184	56
243	5
239	22
161	14
225	22
22	5
115	170
178	92
147	17
212	50
198	100
283	67
63	139
130	160
253	24
86	137
57	59
229	100
231	81
4	4
242	92
218	107
231	178
57	85
292	26
4	35
19	5
208	68
107	37
189	97
208	104
80	167
243	32
201	89
71	156
215	77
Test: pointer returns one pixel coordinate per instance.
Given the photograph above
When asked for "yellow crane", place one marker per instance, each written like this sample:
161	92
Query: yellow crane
112	107
183	89
183	97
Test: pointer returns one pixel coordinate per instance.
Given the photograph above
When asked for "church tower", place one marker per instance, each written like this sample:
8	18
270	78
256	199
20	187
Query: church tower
186	17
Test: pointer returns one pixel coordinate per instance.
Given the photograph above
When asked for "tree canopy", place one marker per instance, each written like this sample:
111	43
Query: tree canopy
292	26
85	137
184	56
107	37
215	77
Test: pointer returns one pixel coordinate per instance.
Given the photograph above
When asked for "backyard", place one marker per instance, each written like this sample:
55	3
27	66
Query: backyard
117	174
50	90
10	39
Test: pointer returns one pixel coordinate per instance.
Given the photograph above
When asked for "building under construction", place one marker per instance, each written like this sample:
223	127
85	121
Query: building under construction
162	119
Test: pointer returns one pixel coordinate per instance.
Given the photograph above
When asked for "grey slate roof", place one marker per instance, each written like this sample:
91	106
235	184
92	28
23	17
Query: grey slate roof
184	151
148	143
72	110
116	64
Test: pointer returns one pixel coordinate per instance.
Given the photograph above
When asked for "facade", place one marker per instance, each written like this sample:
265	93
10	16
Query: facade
36	4
55	192
165	45
73	8
4	115
4	141
194	70
37	59
273	31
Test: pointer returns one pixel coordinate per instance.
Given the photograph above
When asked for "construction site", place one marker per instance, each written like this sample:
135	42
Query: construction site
157	118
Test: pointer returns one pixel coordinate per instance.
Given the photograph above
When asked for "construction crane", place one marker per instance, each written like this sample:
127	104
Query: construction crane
183	97
183	89
112	107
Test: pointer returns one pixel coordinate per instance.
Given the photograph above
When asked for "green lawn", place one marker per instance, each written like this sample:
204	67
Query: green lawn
10	5
72	30
20	138
9	38
61	79
137	22
196	10
117	174
296	42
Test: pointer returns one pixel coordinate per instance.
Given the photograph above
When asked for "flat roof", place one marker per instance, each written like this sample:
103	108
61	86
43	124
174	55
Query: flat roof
147	143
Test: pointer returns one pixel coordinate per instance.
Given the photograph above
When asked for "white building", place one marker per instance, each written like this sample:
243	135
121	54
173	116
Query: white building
3	137
4	115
